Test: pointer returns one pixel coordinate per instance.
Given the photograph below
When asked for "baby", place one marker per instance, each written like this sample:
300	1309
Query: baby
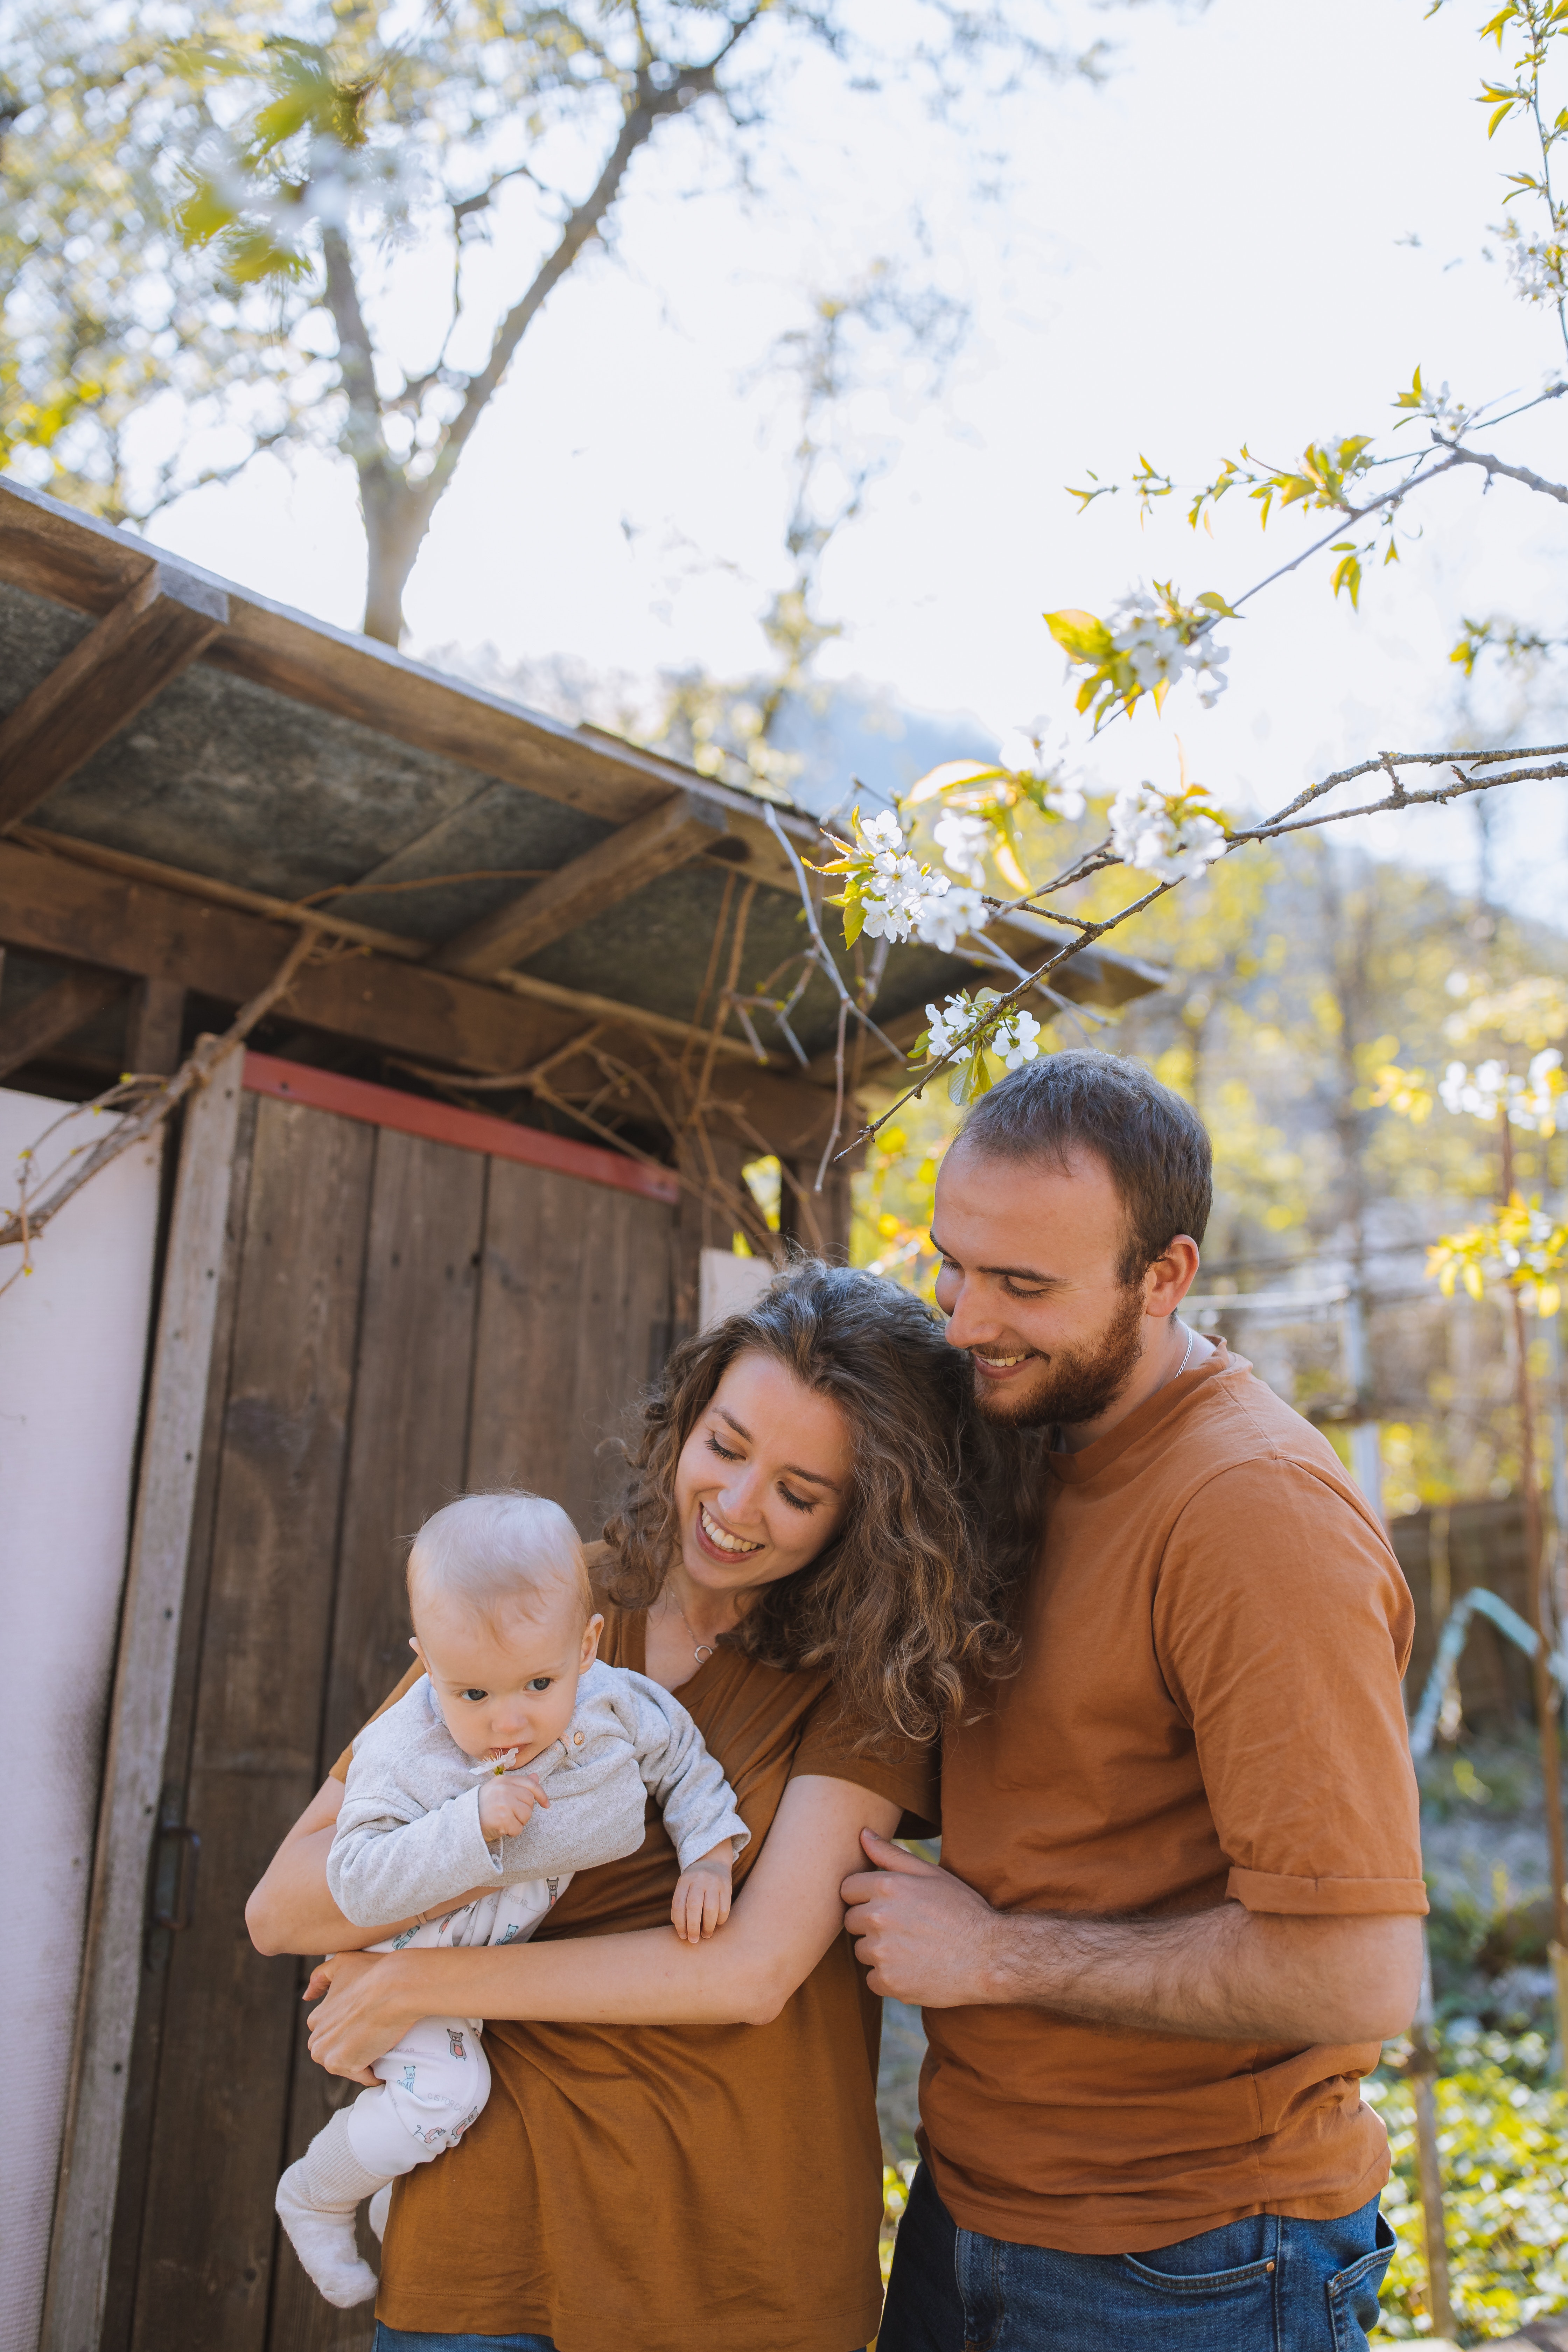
438	1803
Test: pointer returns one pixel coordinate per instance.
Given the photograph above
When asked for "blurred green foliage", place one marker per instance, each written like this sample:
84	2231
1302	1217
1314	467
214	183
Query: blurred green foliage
1503	2140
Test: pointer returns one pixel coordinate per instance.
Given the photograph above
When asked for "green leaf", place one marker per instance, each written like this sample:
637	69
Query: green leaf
950	773
1080	634
854	922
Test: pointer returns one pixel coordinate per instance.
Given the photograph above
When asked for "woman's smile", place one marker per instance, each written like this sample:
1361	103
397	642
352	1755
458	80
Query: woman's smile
719	1537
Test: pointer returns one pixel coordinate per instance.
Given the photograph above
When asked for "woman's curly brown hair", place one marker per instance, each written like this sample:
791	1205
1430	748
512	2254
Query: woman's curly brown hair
909	1605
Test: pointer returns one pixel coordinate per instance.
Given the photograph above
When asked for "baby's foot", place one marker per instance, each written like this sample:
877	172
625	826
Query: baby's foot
324	2242
380	2206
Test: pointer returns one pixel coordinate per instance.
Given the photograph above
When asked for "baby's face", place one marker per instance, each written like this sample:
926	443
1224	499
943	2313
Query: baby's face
511	1683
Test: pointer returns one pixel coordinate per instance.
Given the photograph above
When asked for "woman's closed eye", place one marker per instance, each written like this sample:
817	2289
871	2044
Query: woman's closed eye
722	1451
798	1502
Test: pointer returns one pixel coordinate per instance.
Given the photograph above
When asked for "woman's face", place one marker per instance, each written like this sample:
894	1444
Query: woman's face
762	1481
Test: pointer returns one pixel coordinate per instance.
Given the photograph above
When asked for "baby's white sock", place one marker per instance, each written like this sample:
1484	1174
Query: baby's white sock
316	2203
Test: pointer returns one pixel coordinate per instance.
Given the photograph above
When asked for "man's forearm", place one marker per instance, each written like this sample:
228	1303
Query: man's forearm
1223	1975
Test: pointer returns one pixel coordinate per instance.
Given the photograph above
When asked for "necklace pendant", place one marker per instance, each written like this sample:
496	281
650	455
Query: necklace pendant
703	1650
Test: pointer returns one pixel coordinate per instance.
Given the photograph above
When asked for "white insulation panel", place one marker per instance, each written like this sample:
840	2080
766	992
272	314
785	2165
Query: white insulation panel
73	1348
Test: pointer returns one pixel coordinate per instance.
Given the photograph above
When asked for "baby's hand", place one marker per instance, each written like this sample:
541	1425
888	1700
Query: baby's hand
702	1896
507	1803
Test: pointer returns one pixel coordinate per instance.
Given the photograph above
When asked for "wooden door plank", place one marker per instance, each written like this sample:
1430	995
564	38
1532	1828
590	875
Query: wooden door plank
409	1444
159	1945
218	2137
407	1457
573	1306
139	1719
156	630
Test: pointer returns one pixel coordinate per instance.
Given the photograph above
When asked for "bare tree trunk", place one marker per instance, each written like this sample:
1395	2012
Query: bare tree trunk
396	508
396	518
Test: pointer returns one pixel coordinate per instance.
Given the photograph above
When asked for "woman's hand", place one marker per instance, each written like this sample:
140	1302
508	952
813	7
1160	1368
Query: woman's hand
366	2008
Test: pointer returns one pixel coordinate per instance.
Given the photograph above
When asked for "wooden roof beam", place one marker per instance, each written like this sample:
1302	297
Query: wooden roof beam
52	906
153	633
632	858
56	1013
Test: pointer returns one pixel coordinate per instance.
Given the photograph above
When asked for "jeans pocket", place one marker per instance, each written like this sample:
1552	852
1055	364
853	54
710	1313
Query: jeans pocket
1352	2293
1197	2283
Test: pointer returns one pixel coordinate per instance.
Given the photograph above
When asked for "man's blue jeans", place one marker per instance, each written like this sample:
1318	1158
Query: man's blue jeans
1267	2285
403	2339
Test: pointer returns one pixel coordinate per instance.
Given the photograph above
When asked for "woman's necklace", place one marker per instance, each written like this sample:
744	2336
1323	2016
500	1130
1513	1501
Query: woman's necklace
702	1651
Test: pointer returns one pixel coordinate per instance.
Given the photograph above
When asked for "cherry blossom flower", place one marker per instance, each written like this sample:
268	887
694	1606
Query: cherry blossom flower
1164	834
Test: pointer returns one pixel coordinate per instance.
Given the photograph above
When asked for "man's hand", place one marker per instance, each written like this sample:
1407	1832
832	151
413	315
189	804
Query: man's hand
927	1938
507	1803
1223	1974
701	1902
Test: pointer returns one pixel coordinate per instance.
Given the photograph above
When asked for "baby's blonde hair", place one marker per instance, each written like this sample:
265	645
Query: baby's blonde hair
494	1550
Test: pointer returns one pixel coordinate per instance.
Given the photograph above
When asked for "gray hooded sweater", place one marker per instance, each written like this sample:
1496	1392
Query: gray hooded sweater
408	1836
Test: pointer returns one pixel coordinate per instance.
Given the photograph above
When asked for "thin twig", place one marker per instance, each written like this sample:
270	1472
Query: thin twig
1287	821
136	1126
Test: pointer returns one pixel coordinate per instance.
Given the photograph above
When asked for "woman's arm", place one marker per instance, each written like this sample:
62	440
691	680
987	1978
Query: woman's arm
291	1910
784	1918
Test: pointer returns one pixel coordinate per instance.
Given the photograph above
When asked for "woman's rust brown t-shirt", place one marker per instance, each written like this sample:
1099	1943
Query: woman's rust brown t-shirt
654	2184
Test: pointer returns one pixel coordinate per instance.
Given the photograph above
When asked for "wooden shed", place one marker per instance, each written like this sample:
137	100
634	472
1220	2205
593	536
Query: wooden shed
433	1225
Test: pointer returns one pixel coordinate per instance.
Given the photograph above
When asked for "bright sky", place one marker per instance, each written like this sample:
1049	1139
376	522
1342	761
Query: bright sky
1212	249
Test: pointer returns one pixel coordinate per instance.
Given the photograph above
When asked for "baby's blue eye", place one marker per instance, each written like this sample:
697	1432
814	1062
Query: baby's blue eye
476	1696
540	1683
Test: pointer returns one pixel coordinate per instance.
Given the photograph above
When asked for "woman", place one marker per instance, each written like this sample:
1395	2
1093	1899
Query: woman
814	1551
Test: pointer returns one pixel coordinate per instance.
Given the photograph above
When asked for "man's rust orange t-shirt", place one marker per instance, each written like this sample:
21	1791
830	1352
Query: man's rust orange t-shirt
1208	1707
651	2186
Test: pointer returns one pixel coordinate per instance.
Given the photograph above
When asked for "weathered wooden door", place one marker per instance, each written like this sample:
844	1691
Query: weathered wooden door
401	1319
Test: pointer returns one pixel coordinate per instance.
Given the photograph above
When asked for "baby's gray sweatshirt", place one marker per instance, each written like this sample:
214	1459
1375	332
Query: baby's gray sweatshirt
408	1836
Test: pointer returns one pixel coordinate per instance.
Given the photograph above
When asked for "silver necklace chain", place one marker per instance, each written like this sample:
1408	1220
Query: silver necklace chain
704	1650
1180	1368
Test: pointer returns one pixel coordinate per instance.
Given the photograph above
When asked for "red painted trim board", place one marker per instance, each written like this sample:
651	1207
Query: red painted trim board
469	1130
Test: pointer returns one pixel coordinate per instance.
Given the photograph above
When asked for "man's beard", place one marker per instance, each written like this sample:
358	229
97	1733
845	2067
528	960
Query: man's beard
1078	1384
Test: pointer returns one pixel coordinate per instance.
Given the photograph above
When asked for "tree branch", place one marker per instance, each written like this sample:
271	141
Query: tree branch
1496	466
649	107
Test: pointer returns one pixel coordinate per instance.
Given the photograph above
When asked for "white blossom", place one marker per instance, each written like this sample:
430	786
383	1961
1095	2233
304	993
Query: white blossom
1450	416
948	1022
1065	800
949	911
1533	1101
1148	836
1017	1040
883	831
1158	655
1536	267
961	838
1023	752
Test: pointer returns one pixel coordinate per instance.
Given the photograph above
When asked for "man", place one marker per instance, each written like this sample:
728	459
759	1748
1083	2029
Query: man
1179	1905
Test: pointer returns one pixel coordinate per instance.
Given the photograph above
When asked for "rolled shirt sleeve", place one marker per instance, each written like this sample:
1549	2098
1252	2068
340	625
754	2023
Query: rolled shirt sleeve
1282	1626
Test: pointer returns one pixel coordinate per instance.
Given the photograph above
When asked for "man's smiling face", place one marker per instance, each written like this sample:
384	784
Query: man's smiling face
1031	1280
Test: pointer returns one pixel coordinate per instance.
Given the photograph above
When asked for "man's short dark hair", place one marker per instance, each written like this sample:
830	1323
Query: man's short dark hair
1154	1144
